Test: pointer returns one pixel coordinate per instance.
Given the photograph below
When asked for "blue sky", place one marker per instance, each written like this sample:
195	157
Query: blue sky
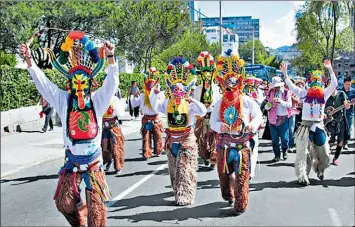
276	17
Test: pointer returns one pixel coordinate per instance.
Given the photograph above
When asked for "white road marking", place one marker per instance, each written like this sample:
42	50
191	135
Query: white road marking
334	216
134	186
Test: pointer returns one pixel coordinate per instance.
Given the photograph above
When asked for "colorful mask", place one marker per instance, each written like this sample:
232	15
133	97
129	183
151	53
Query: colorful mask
179	84
231	78
251	84
207	76
79	61
315	95
149	83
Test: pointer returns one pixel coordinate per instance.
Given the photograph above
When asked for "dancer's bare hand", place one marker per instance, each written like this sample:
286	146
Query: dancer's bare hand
224	127
328	65
109	48
283	67
25	50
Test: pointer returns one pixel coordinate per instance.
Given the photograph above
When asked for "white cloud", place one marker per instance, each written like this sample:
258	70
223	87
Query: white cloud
279	33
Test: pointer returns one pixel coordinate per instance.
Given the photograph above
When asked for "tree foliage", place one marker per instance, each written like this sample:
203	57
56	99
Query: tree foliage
143	29
19	20
189	46
246	52
321	33
7	59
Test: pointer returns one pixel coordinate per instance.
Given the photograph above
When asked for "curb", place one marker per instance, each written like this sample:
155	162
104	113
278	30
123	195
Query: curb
10	172
7	173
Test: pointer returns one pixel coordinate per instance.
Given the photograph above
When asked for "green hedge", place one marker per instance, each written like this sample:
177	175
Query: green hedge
17	90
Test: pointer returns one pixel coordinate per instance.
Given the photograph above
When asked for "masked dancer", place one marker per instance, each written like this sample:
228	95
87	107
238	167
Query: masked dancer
180	141
152	126
236	117
312	148
207	93
81	111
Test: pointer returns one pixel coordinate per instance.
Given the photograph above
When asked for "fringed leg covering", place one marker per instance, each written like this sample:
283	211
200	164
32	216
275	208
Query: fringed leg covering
66	204
254	156
117	147
186	177
96	206
241	192
206	140
301	154
158	137
226	178
200	139
106	153
172	167
321	159
146	149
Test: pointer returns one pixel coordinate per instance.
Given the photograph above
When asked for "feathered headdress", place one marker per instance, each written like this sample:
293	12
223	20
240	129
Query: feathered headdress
316	75
180	71
77	54
206	62
149	83
231	71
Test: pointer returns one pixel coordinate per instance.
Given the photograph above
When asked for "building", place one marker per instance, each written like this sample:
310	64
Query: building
344	65
286	53
125	66
230	38
243	26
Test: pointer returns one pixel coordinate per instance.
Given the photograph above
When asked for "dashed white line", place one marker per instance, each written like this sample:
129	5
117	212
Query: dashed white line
134	186
334	216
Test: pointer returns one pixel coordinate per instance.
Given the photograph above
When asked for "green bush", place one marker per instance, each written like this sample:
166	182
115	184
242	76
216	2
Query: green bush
18	90
7	59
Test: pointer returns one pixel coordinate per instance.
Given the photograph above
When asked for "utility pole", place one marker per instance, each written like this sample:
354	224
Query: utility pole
220	26
252	58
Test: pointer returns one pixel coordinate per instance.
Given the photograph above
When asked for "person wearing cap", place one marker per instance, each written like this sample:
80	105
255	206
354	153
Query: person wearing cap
152	126
312	149
279	101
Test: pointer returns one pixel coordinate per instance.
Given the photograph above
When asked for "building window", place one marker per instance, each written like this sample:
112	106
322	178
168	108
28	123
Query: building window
338	73
339	65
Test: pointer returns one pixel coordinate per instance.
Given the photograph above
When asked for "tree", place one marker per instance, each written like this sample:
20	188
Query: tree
319	31
143	29
246	51
272	61
190	46
21	19
7	59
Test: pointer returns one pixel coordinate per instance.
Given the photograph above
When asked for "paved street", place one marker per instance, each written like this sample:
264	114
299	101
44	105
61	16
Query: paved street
143	196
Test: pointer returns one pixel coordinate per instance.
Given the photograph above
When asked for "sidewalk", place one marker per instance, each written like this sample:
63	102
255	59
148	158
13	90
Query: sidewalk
23	150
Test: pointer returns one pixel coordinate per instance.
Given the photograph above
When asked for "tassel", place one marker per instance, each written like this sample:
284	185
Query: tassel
103	198
240	161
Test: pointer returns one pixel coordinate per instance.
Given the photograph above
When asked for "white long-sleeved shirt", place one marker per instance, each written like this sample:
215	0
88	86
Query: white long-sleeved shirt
283	105
60	100
215	97
251	110
139	101
301	93
160	104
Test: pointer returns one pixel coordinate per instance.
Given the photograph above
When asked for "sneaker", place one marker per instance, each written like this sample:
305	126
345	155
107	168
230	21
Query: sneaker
284	155
118	171
108	165
335	162
51	129
44	129
346	147
276	159
207	163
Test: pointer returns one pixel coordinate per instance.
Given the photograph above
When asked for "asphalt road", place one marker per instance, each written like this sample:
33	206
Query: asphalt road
145	199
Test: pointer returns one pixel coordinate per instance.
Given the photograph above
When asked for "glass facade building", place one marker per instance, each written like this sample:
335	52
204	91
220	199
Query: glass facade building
243	26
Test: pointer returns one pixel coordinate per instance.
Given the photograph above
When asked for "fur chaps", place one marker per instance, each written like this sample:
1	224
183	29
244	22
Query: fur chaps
76	213
309	155
157	135
234	186
113	147
182	169
206	140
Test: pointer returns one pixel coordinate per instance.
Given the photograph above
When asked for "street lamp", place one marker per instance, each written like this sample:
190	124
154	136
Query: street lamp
220	26
252	59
